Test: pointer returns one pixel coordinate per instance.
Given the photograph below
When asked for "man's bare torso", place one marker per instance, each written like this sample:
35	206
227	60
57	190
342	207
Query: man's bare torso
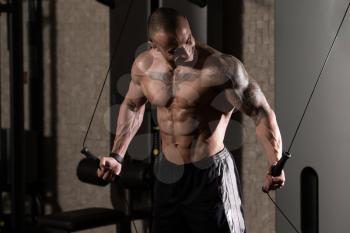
192	110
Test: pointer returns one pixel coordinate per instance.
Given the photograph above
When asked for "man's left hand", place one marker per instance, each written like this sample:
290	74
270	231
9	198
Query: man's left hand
274	182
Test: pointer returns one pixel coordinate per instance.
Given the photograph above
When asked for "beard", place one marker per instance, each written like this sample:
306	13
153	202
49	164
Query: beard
189	60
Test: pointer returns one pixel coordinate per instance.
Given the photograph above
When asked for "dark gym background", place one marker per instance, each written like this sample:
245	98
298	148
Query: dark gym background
46	104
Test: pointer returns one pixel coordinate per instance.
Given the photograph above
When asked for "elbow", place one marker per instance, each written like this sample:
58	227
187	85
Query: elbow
263	115
132	105
270	114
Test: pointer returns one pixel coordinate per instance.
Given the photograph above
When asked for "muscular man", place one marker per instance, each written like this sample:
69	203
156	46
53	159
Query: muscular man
195	89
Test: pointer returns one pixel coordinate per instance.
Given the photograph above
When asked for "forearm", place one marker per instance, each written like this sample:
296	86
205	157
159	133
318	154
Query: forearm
129	121
269	136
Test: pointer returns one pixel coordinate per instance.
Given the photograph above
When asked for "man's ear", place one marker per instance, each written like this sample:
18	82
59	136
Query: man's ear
151	44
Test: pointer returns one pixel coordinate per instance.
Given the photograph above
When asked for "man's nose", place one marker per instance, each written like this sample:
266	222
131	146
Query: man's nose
181	53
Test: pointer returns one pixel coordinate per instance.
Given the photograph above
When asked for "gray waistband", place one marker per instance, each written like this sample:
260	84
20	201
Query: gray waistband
221	155
218	157
204	162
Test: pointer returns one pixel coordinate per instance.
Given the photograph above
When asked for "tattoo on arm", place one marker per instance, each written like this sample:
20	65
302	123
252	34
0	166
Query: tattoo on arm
254	103
251	100
245	92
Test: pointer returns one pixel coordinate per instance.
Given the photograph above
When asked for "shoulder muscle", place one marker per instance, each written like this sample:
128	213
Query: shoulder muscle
141	65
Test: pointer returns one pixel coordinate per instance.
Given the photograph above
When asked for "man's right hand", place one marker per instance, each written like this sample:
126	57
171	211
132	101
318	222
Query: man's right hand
109	168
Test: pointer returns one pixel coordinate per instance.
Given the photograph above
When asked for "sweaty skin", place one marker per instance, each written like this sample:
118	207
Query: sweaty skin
195	89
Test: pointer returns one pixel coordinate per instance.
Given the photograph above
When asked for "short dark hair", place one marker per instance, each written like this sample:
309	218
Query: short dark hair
163	19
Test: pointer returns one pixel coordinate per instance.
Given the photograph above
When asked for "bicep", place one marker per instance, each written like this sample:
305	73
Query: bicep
135	97
246	94
254	103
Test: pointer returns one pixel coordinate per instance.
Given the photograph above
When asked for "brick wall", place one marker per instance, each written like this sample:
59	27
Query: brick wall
258	57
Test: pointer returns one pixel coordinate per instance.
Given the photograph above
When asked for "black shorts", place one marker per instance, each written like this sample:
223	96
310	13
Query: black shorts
199	197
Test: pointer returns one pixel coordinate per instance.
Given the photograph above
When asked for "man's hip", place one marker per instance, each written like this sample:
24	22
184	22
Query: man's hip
203	196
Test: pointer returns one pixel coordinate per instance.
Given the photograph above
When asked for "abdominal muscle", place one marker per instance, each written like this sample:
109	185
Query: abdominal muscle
187	138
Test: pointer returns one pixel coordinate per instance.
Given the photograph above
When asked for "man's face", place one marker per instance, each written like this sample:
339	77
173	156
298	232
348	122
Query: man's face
178	47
